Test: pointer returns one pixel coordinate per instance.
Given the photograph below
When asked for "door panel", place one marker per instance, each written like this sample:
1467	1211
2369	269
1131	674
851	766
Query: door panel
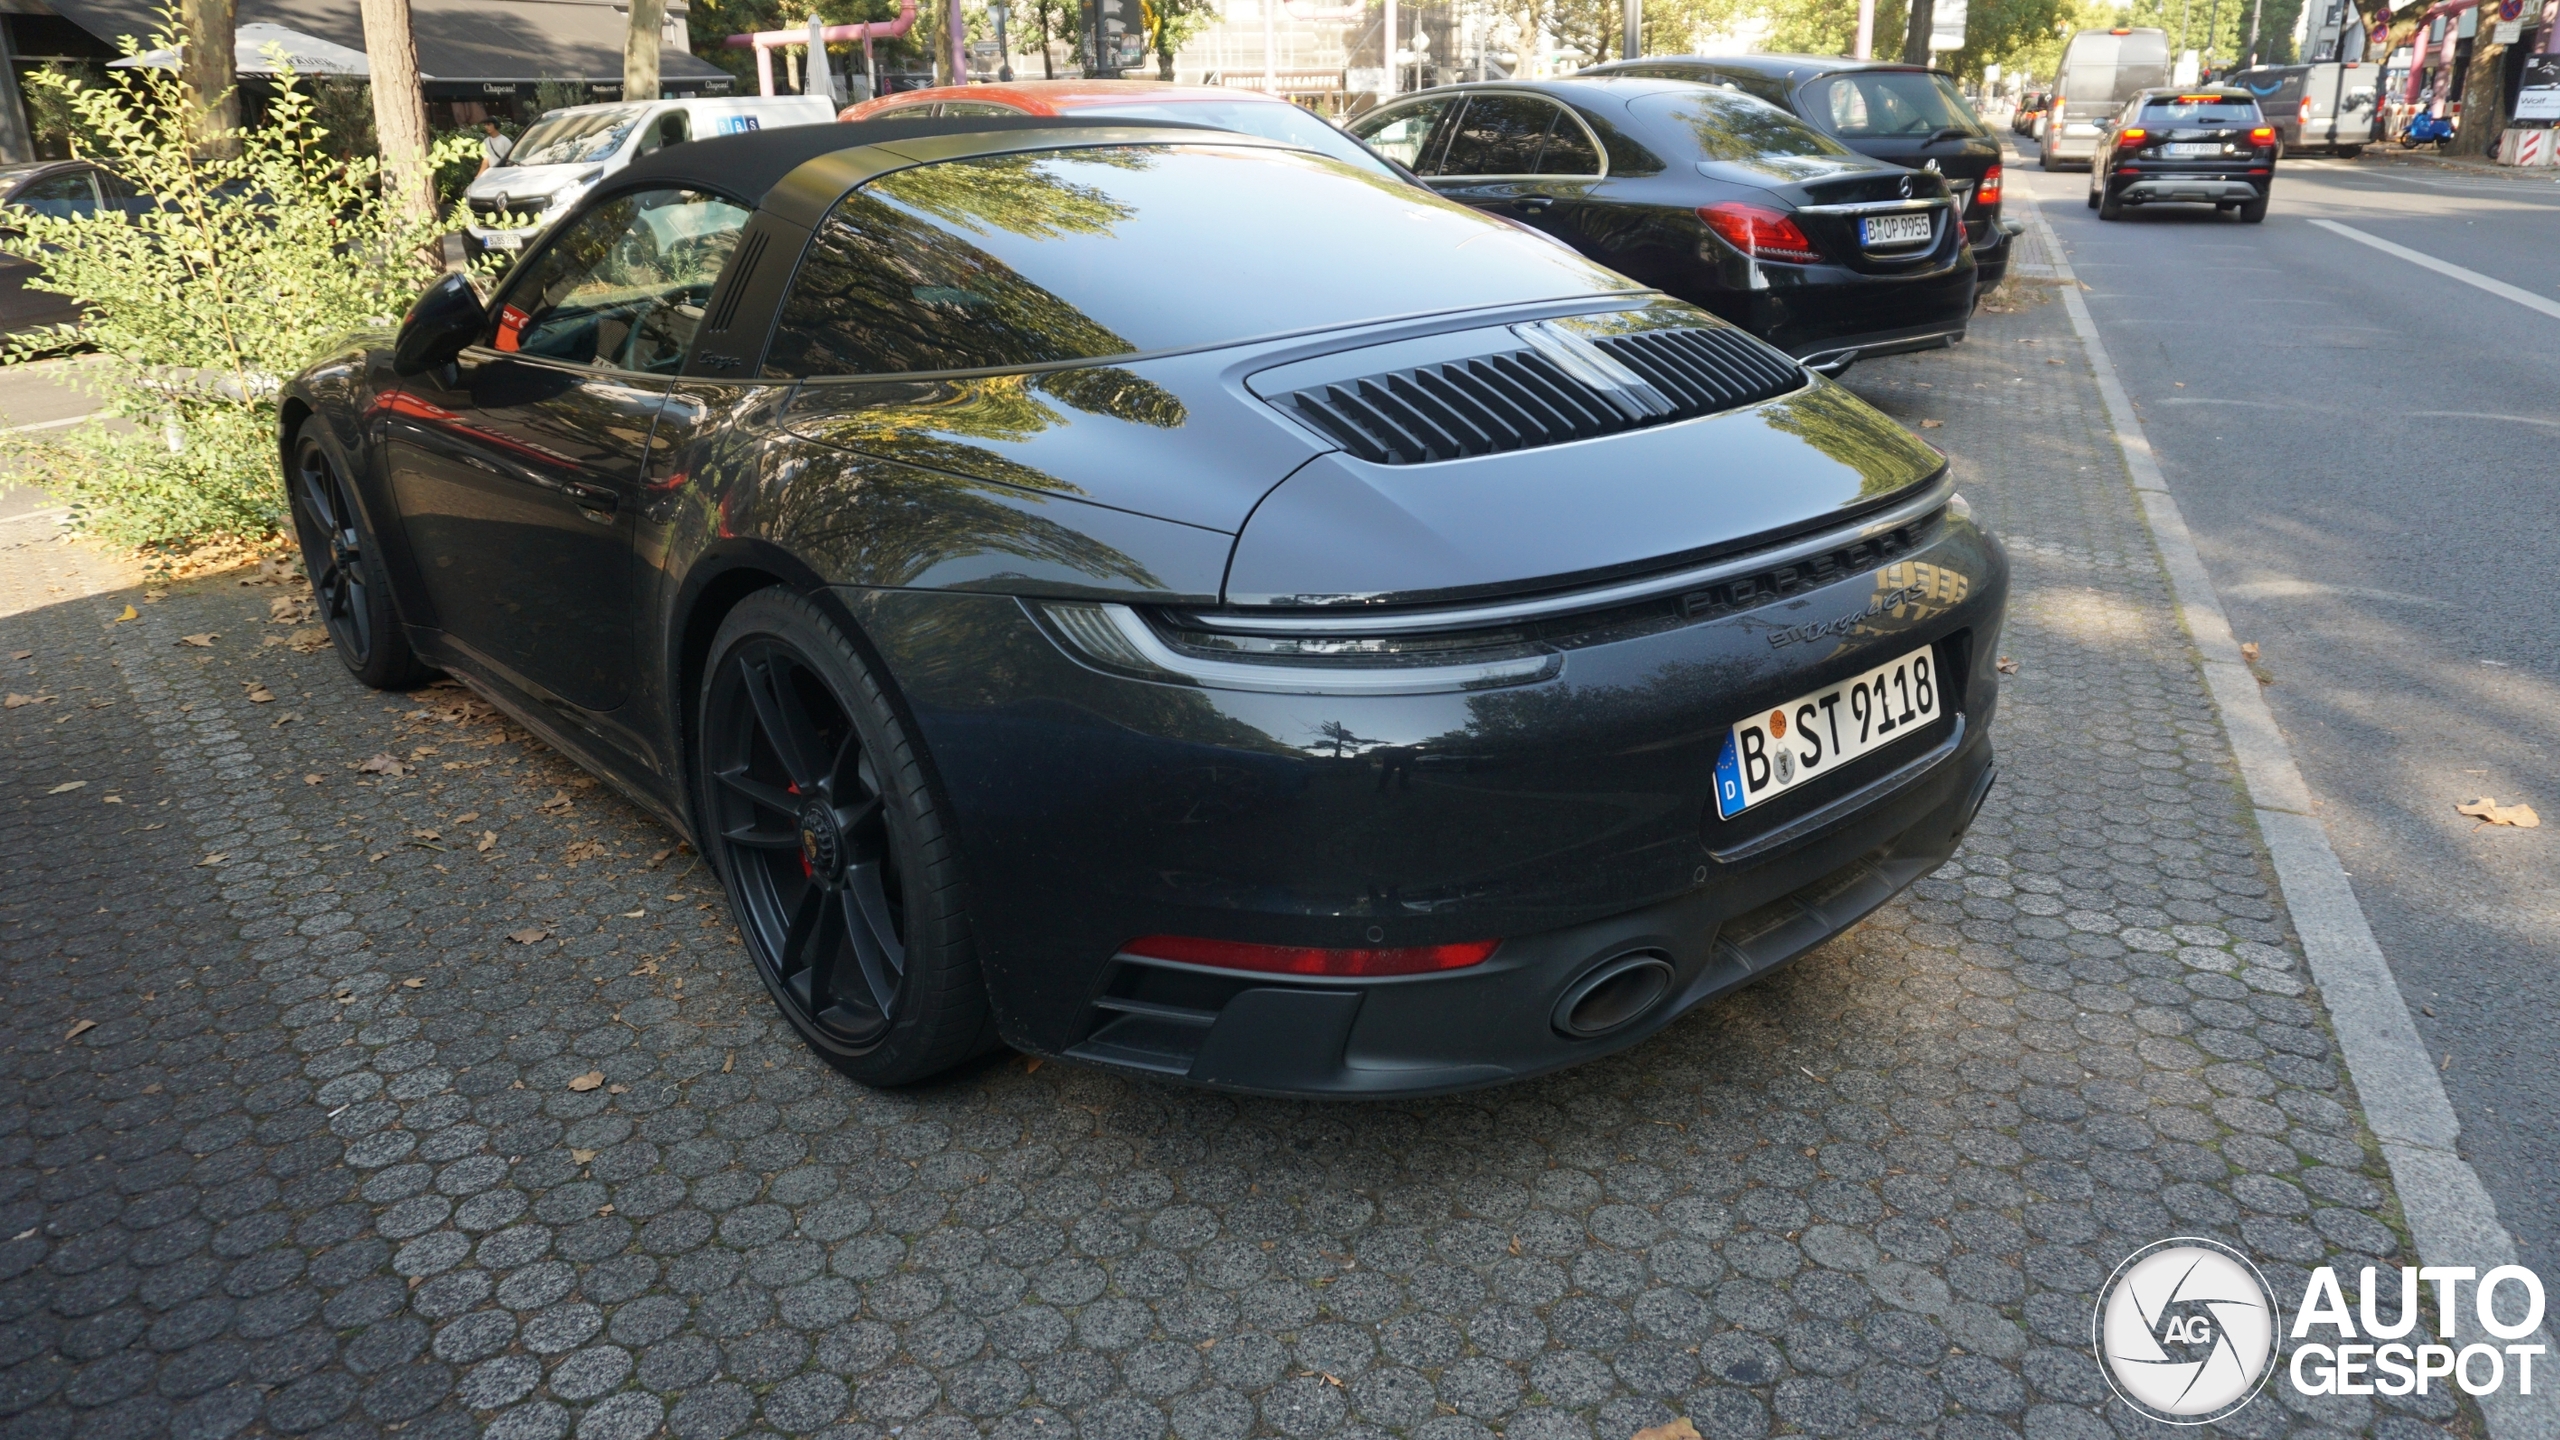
518	469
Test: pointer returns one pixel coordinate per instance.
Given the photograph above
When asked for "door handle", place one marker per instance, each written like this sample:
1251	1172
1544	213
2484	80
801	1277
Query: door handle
599	501
1534	204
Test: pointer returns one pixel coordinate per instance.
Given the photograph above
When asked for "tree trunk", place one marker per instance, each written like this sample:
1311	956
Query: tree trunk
939	37
1915	39
399	108
640	49
2484	95
211	73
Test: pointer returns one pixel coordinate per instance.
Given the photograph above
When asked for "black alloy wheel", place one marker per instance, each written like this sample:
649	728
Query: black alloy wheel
814	807
347	581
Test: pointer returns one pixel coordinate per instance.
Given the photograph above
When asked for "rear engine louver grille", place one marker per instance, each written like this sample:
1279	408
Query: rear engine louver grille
1524	398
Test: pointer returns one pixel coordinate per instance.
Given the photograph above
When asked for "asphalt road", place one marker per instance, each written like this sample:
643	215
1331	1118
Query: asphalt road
2364	448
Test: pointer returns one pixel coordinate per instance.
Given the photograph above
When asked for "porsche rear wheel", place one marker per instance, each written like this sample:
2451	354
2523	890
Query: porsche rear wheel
348	584
814	806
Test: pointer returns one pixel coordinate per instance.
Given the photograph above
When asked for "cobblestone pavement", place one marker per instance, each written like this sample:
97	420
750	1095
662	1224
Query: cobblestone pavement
300	1134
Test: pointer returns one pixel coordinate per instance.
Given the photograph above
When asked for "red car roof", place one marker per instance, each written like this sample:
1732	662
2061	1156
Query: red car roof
1055	97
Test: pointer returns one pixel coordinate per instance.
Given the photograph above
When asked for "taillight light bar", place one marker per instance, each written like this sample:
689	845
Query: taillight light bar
1309	959
1760	232
1989	193
2263	135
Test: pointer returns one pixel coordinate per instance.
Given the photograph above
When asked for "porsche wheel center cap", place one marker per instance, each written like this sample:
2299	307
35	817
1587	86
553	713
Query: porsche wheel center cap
821	844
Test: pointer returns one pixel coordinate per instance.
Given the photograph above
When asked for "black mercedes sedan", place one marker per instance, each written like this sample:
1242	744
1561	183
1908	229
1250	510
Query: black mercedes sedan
1902	114
1071	610
1707	195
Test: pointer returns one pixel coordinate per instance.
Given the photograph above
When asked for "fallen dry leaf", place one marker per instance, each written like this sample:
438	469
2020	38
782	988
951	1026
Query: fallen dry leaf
2249	651
604	1209
308	641
588	1081
1030	1064
216	858
16	700
647	967
2051	361
260	695
633	914
427	834
414	982
2489	812
383	765
22	654
290	609
129	614
466	817
2008	666
81	1028
201	642
1679	1429
558	804
582	1156
530	935
313	779
659	859
617	1089
488	841
66	786
582	850
729	1064
1931	424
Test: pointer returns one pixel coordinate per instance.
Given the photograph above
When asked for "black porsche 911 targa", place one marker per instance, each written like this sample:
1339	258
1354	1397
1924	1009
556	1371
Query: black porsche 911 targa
1166	598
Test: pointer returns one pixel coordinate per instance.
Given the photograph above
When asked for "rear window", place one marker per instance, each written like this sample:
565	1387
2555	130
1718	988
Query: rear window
2199	110
1011	260
1729	125
1867	103
576	139
1270	119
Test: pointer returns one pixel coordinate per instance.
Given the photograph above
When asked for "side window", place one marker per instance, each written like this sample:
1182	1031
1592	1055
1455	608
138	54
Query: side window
974	107
66	196
1848	107
1498	135
623	285
672	128
1569	150
1399	133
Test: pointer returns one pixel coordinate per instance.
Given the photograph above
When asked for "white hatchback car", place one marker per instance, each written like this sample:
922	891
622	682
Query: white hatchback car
563	154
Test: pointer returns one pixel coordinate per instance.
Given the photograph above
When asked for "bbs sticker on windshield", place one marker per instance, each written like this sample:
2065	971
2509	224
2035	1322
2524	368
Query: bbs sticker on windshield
1773	752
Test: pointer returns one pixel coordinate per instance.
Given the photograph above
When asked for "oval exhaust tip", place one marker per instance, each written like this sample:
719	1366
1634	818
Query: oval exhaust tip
1613	995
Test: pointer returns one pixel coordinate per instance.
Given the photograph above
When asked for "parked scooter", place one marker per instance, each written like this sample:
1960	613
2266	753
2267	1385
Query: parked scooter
2425	129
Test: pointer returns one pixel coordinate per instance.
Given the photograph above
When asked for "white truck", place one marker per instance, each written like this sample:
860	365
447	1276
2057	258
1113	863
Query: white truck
568	152
2327	107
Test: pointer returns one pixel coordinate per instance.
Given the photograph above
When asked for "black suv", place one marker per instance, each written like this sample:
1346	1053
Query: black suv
1901	114
2206	146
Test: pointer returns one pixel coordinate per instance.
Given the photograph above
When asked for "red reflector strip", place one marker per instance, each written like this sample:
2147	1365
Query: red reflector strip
1308	959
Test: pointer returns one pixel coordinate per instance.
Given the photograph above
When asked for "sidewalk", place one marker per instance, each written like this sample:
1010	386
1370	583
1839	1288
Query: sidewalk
299	1138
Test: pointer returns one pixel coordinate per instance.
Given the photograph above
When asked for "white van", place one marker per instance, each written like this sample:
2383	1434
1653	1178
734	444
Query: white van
2326	106
565	153
2101	69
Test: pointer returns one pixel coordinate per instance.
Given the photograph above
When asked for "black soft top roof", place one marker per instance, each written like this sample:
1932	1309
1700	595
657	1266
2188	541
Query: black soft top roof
745	167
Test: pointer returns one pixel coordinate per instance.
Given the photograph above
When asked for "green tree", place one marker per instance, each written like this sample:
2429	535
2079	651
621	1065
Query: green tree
1176	21
242	268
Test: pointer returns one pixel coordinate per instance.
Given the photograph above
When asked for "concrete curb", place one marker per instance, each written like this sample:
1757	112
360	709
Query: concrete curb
2450	1214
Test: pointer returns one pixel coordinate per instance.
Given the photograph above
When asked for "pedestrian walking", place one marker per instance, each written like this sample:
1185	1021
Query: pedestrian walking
495	147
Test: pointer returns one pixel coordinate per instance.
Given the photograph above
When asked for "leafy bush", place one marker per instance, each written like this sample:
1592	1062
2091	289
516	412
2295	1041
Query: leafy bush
230	275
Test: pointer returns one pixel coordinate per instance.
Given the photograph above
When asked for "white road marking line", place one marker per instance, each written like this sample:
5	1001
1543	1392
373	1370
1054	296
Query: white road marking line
2474	278
2451	1214
46	424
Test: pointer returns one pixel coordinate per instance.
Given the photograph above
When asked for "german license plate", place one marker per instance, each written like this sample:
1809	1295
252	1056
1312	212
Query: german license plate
1768	754
1893	230
2214	148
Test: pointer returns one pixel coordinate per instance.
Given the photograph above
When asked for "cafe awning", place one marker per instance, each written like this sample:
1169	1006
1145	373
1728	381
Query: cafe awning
465	47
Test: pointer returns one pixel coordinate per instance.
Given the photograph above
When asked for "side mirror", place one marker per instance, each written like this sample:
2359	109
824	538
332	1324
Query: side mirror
446	318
